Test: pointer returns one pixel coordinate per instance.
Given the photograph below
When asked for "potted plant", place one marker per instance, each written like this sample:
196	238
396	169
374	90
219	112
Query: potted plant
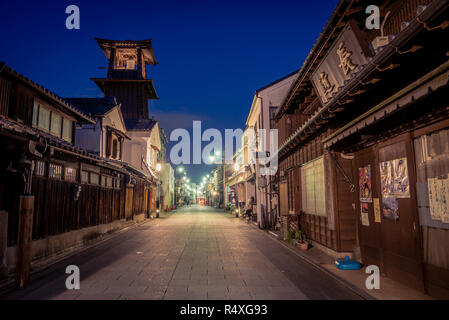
291	237
301	240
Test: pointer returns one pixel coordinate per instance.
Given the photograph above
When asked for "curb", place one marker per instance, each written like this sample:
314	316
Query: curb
364	295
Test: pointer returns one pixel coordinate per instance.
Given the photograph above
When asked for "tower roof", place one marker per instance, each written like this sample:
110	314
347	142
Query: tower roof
145	45
147	84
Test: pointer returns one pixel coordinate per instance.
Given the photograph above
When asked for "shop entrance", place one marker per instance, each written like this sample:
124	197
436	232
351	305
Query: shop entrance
388	221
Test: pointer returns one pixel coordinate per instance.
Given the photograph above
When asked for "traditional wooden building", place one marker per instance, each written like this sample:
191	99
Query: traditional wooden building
77	195
363	140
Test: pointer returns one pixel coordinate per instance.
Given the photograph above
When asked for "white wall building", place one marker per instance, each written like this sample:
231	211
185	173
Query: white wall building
265	103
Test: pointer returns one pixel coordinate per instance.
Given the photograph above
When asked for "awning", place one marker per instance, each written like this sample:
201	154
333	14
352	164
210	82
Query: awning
418	89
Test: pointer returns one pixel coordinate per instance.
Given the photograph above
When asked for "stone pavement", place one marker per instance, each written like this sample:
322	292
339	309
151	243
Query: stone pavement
196	253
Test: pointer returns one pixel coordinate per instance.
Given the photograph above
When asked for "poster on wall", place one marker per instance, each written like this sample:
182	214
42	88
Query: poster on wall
438	199
394	179
390	208
376	210
365	187
364	214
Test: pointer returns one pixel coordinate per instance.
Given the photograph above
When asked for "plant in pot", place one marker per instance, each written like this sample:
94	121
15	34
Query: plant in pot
301	240
291	237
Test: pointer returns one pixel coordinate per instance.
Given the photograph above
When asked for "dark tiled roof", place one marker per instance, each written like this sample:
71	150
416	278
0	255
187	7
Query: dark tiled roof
22	130
94	106
47	93
140	124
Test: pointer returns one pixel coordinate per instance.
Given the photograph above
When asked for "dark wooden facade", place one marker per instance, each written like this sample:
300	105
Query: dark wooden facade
377	115
73	189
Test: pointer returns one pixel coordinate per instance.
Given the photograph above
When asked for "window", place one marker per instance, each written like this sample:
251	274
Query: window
67	130
312	188
40	169
272	117
117	182
103	181
56	124
35	113
84	176
94	178
43	118
54	171
126	59
109	182
70	174
114	148
52	122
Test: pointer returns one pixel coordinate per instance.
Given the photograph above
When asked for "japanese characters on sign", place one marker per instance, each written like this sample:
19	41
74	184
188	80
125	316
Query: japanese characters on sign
377	210
348	53
438	199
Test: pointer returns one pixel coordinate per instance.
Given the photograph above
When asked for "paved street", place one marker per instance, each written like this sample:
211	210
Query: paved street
196	253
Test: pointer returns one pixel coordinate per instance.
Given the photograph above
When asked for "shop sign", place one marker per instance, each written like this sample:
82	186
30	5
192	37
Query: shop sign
347	55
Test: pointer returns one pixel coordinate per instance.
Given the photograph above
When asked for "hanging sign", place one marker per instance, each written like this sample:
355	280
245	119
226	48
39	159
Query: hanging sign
438	199
346	56
376	210
365	187
394	179
364	214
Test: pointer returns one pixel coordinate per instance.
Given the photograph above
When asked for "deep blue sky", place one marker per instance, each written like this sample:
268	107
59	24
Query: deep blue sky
212	55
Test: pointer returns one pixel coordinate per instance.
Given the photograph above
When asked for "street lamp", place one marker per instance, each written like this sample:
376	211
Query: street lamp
236	166
158	166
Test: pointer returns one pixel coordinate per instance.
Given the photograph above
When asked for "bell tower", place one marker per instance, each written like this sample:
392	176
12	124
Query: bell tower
127	79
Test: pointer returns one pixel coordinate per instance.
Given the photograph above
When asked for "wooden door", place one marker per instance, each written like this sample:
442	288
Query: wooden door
146	201
369	230
129	203
401	240
283	195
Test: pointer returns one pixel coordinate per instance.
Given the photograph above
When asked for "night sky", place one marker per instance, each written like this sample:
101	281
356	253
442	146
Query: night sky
212	55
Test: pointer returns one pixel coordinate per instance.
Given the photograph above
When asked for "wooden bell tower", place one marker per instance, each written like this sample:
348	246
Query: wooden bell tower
127	78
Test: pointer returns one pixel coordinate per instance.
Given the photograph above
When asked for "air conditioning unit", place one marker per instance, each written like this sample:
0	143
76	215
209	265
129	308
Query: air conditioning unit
381	41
